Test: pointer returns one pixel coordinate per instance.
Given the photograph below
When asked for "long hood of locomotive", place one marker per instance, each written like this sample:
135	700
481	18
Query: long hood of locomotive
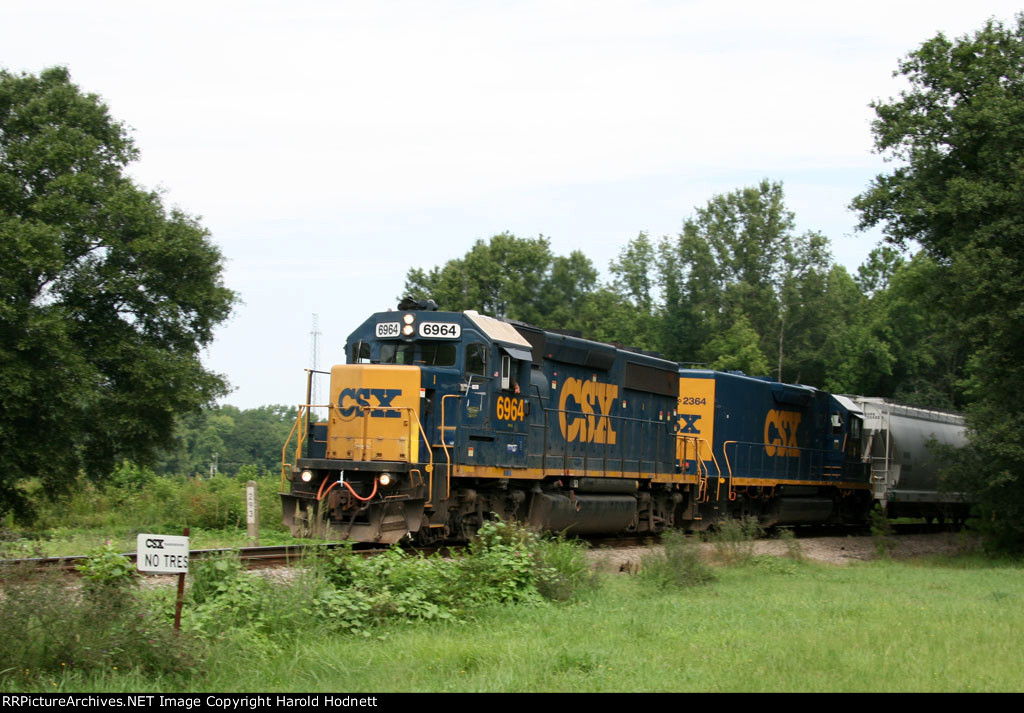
755	429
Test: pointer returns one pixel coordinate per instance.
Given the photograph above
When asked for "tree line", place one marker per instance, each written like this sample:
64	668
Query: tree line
223	439
737	289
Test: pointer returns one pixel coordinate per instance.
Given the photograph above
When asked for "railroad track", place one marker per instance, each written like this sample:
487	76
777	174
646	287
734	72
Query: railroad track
253	557
286	555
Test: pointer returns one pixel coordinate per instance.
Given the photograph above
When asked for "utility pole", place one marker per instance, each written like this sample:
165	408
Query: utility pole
314	358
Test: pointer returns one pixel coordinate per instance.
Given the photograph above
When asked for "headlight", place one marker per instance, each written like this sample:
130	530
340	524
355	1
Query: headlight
408	318
307	475
385	479
408	329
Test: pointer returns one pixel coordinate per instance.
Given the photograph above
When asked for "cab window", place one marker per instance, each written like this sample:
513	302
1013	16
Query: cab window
392	353
359	353
837	423
476	359
437	353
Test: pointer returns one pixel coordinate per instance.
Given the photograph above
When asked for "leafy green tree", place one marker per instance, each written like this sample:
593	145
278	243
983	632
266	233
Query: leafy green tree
736	349
843	345
566	287
876	272
634	285
956	136
739	256
605	315
106	298
929	349
688	315
512	277
231	437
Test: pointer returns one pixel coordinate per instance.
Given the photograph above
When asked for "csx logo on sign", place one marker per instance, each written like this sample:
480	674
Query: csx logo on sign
361	397
594	401
155	544
780	433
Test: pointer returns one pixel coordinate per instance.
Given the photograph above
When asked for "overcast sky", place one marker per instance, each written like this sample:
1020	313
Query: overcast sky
330	146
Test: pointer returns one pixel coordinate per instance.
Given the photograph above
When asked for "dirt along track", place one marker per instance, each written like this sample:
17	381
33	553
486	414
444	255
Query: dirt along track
618	557
835	550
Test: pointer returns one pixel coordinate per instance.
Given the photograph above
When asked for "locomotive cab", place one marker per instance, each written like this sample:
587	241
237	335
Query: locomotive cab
380	466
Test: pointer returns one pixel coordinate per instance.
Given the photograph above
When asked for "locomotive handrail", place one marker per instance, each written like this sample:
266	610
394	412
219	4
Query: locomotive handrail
702	469
728	464
622	420
815	458
444	447
301	417
413	417
284	449
304	411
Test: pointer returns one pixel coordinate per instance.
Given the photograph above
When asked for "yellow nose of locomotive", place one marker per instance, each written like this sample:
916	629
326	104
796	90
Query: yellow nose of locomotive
375	412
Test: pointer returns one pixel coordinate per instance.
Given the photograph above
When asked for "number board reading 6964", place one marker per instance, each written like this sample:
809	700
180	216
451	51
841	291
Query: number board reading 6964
440	330
388	329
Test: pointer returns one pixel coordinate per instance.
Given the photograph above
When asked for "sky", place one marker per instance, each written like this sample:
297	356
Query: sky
330	146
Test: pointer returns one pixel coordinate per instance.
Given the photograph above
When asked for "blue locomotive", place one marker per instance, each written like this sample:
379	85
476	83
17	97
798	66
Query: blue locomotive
441	420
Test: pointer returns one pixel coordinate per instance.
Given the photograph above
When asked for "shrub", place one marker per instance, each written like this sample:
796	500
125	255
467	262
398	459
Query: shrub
563	569
881	532
734	540
49	627
679	564
105	569
342	591
500	566
793	549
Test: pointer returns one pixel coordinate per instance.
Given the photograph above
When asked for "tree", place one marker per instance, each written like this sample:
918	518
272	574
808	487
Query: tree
106	298
739	257
957	138
231	437
512	277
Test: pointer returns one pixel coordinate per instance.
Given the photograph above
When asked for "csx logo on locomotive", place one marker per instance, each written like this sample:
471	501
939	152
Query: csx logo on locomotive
594	401
383	398
780	433
688	423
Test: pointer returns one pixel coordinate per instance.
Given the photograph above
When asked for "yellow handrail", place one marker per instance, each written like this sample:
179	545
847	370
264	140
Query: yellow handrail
725	452
304	410
448	458
284	448
703	472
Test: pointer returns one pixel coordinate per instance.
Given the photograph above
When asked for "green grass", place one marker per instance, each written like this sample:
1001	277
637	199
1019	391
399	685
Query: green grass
772	625
213	509
762	624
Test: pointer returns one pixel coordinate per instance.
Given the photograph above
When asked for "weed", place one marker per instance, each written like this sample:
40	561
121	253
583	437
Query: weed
677	565
775	565
563	569
48	629
881	532
793	549
106	571
734	540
